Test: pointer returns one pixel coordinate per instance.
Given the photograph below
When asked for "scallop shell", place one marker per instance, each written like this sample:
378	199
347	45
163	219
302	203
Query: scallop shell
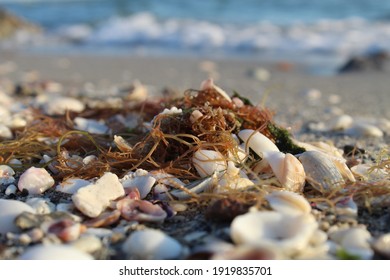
321	171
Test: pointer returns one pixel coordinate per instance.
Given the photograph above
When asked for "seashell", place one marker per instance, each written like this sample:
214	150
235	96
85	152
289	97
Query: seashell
209	84
369	172
192	189
138	92
151	244
321	171
364	130
65	229
122	144
91	126
340	122
41	205
208	162
9	210
60	105
54	252
5	132
87	243
6	175
356	241
287	233
195	115
104	219
382	245
72	185
35	180
91	200
288	203
258	142
140	210
140	180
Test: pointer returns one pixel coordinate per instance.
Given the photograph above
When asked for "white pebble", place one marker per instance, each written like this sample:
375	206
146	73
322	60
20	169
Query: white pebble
6	175
340	122
151	244
9	210
364	130
54	252
93	199
35	180
11	189
91	126
60	105
88	243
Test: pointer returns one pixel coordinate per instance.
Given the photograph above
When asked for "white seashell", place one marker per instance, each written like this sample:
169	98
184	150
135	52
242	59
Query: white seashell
340	122
134	180
206	184
89	159
356	241
288	203
93	199
72	185
368	172
151	244
60	105
321	171
87	243
6	175
54	252
41	205
140	210
138	92
209	84
195	115
382	245
5	132
288	170
9	210
286	233
364	130
258	142
91	126
172	111
208	162
35	180
122	144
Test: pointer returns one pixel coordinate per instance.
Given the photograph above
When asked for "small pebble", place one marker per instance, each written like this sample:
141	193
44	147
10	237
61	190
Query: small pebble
60	105
11	189
35	180
41	205
91	126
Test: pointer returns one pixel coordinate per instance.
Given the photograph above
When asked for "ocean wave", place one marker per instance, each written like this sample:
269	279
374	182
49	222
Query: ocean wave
344	37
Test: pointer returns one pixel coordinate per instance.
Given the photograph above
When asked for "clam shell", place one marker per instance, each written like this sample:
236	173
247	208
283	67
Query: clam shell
321	171
288	203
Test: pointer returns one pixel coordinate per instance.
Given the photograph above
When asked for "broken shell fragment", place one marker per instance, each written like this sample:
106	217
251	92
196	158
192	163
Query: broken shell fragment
207	162
209	84
288	203
287	233
258	142
35	180
151	244
321	171
140	210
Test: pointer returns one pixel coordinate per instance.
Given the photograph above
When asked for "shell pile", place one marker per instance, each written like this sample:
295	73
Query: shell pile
147	175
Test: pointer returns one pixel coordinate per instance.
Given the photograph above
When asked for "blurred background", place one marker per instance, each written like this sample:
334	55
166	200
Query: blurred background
330	31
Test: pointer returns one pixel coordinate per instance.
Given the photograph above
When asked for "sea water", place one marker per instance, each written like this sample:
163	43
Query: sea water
334	29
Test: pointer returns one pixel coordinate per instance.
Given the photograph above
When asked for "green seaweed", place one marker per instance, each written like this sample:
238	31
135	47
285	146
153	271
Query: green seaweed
283	140
344	255
246	101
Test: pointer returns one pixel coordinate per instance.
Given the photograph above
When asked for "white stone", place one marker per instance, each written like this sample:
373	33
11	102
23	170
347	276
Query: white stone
60	105
11	189
340	122
93	199
364	130
91	126
6	175
9	210
35	180
88	243
72	185
151	244
54	252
